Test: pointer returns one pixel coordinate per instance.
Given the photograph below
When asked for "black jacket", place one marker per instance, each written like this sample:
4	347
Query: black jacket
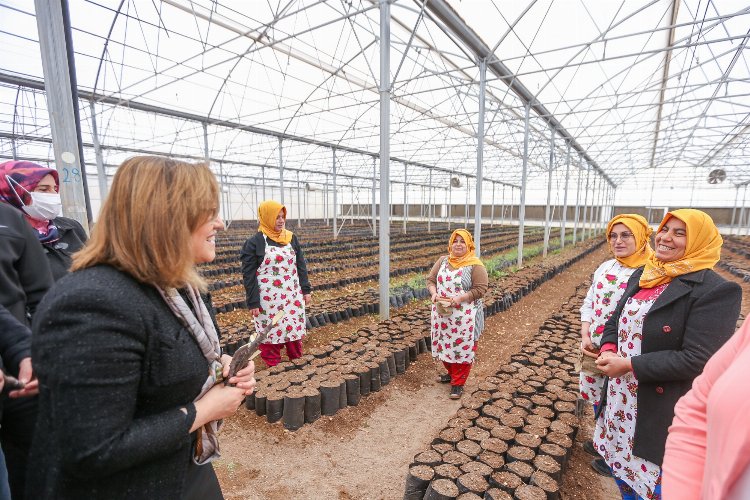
115	366
252	255
59	253
25	275
692	318
15	343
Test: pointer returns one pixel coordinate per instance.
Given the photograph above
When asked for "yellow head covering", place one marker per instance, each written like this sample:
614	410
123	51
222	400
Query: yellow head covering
467	259
702	251
267	212
638	225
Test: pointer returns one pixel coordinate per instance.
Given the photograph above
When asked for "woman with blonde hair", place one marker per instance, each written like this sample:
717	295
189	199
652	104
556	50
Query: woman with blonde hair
127	351
457	282
676	312
274	273
628	239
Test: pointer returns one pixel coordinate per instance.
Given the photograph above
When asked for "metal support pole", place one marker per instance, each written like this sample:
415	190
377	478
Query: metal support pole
492	207
385	153
429	206
101	174
502	207
576	216
549	190
565	199
335	198
480	157
299	203
585	203
325	201
522	202
734	209
281	170
406	206
263	181
742	212
450	200
466	205
60	105
374	219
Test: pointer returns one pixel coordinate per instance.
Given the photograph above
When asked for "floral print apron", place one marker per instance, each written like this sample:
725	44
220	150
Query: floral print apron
615	429
279	289
453	336
608	286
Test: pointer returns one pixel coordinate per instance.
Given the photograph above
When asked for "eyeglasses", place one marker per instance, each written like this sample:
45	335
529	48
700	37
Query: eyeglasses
622	236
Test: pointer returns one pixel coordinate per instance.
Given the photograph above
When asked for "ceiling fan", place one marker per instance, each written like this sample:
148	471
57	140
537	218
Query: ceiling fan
717	176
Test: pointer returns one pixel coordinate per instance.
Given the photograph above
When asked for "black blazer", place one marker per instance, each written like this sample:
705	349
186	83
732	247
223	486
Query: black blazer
60	253
694	316
115	367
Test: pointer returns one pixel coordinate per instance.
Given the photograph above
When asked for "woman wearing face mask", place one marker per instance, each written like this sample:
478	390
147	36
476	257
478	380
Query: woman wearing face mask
628	238
33	190
457	283
674	315
274	273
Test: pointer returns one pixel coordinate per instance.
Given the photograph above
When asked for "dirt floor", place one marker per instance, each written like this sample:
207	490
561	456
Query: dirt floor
363	452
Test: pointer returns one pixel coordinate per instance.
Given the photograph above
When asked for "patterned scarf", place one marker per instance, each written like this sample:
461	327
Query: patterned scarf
17	180
203	331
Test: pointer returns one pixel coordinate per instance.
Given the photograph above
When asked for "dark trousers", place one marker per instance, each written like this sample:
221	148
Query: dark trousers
16	431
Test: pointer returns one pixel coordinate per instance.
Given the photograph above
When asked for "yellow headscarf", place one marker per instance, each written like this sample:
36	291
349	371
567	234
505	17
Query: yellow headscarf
267	212
702	251
469	258
638	225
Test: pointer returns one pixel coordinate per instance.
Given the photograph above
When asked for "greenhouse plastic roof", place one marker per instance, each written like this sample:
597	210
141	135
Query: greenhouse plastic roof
653	93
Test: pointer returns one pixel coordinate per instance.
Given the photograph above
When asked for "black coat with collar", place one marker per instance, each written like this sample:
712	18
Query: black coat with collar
692	318
115	367
60	253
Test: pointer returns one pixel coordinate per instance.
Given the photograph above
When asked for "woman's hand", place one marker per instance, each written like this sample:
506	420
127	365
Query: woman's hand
255	311
307	298
458	299
244	379
219	402
433	294
26	375
613	365
586	344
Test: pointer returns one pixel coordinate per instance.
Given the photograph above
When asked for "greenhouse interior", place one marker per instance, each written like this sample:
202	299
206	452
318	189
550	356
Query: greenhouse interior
382	126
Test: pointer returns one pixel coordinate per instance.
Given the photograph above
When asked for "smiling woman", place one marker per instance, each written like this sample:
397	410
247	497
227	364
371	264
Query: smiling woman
141	419
674	315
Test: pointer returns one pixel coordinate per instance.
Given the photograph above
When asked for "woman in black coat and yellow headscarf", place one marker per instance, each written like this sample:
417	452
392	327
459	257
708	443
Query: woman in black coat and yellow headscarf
274	273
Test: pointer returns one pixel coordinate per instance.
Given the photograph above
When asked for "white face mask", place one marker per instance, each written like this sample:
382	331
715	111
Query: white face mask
44	206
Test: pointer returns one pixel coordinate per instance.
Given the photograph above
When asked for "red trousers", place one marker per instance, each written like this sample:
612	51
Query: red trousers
459	372
271	353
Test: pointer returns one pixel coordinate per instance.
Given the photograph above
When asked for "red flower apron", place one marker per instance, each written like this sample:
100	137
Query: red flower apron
453	336
615	429
279	289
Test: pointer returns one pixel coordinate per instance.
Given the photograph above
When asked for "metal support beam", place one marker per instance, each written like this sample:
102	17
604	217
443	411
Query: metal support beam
565	199
374	205
585	204
522	202
281	168
480	157
549	191
55	65
466	206
734	208
406	206
385	153
335	197
429	206
492	207
299	203
101	174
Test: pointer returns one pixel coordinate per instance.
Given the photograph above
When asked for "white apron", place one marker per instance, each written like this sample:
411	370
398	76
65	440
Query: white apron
453	336
279	289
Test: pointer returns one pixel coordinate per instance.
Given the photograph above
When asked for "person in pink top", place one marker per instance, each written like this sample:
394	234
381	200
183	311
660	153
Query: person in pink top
707	455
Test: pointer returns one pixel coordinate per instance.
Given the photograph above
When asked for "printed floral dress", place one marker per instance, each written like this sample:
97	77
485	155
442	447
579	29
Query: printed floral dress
453	336
607	287
279	289
615	429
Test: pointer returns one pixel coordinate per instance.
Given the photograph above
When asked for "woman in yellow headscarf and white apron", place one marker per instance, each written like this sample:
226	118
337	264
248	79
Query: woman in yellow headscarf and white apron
457	283
674	315
274	273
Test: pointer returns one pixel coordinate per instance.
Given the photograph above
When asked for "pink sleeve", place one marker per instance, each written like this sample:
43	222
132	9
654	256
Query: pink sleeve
685	454
608	347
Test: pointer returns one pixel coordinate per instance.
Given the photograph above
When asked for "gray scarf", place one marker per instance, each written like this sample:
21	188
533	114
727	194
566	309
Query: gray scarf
203	331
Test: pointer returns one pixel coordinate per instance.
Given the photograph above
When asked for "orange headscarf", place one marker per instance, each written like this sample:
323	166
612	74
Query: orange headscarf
702	251
267	212
467	259
638	225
